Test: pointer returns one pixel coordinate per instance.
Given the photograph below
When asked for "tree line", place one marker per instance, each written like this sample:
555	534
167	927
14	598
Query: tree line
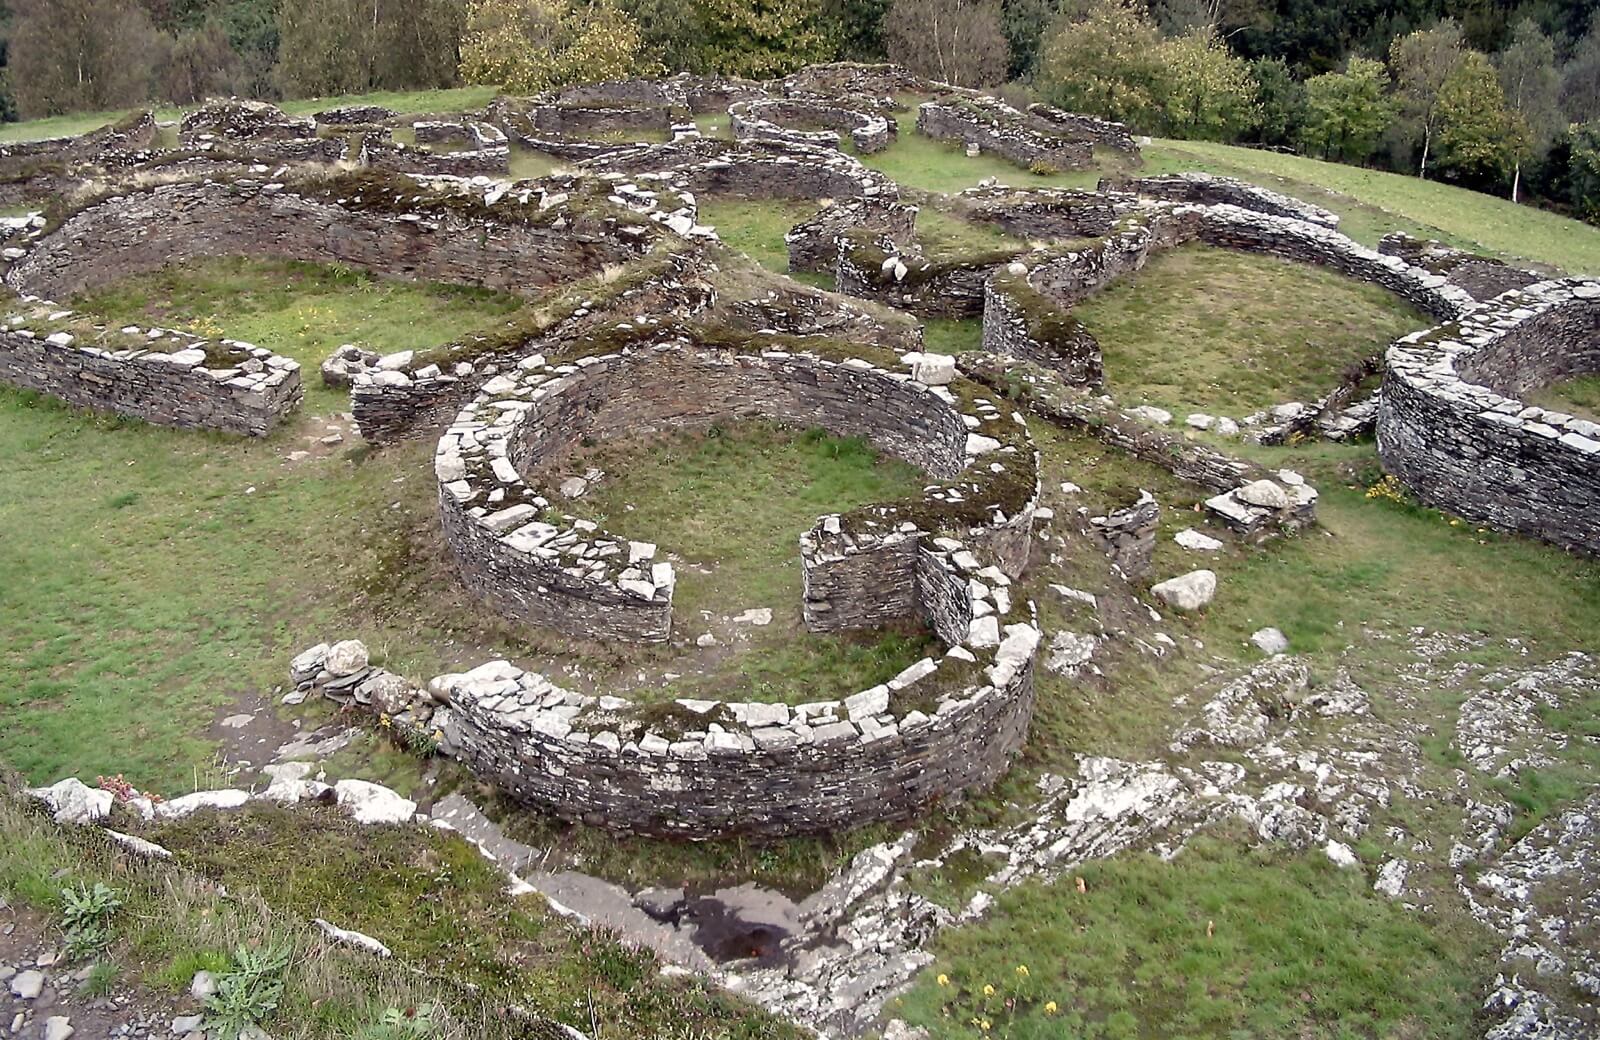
1496	95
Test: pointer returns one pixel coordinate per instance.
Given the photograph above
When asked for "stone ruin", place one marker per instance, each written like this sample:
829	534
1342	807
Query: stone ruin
630	337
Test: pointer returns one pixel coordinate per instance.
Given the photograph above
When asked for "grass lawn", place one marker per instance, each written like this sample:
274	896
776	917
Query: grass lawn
756	227
1579	395
300	310
731	506
1221	941
918	161
1220	331
1381	202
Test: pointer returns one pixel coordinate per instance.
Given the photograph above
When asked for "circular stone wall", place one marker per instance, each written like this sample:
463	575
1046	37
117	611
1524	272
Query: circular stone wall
701	769
540	566
1453	428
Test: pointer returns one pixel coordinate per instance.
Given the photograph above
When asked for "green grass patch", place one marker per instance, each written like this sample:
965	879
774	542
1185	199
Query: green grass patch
439	904
1221	941
1373	202
1210	330
731	505
952	335
917	161
1579	395
301	310
755	227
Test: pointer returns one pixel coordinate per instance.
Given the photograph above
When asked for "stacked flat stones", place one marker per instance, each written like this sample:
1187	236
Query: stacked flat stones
774	119
1087	128
1452	425
993	126
540	565
158	375
482	150
1211	189
1047	213
875	267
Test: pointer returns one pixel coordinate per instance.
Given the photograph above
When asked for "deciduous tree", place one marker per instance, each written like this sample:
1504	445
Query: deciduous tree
1422	63
1346	112
1531	84
764	38
954	41
528	46
1208	92
1104	63
1478	138
76	55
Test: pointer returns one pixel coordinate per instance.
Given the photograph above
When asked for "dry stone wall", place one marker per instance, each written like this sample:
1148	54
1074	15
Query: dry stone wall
517	549
1452	425
1484	277
1047	213
790	120
873	267
1018	323
995	127
1210	189
163	377
396	227
1086	128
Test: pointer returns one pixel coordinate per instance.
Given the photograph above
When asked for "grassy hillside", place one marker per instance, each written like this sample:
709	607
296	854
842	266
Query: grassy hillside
1372	200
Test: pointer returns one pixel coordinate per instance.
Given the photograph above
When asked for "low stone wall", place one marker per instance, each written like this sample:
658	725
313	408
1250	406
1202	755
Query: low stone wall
869	266
1484	277
1070	278
1211	189
999	129
421	393
522	241
1451	425
354	115
516	549
1047	213
754	169
1017	323
1251	499
162	377
814	243
698	94
789	120
483	150
1078	127
133	133
850	79
234	119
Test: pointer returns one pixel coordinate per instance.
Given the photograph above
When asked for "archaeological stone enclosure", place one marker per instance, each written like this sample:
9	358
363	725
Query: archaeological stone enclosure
630	321
631	339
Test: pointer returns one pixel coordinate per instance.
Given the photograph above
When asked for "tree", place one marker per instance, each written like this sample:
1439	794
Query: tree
763	39
1346	112
528	46
1422	63
670	30
76	55
1104	63
1580	79
352	46
953	41
859	28
1583	169
1531	85
1024	23
1208	93
200	63
1478	138
1282	99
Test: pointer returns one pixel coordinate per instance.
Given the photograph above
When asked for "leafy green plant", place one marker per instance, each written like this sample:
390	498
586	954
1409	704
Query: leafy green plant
249	991
86	915
402	1024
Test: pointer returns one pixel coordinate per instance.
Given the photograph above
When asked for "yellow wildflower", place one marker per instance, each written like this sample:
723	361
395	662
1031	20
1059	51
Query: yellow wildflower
943	980
1050	1007
1022	969
988	990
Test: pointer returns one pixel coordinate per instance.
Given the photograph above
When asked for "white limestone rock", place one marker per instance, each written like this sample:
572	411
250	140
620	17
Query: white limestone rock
373	803
1270	641
346	657
1187	592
